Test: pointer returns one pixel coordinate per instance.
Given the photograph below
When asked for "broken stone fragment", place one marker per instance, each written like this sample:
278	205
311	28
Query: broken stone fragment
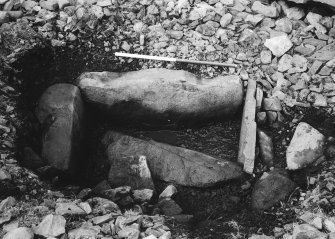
324	54
20	233
279	45
132	171
4	17
69	208
168	192
270	189
61	114
161	95
307	231
51	226
85	231
272	104
172	164
266	148
305	147
268	11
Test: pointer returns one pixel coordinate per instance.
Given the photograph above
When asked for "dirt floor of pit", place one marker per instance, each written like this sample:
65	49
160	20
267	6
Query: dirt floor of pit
219	212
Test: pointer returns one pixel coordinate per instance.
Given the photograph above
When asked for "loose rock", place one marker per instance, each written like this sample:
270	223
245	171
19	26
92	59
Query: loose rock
305	147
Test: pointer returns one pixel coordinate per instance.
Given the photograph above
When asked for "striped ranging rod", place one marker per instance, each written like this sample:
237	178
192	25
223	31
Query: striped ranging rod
160	58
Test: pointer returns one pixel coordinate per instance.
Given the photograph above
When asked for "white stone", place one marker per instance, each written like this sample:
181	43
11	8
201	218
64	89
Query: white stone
279	45
285	63
226	19
51	226
329	225
228	3
168	192
20	233
69	209
268	11
104	3
305	147
63	3
254	19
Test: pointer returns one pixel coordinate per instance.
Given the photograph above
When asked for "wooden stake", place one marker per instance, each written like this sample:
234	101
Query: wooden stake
160	58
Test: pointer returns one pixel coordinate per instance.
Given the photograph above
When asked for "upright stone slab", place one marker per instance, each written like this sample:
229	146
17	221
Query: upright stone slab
172	164
247	142
162	95
60	112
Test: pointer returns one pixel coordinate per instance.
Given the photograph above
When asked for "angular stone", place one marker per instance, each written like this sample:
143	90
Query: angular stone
304	50
85	231
4	17
161	95
132	171
279	45
69	208
225	20
254	19
271	188
172	164
294	13
266	57
20	233
285	63
50	5
168	192
266	148
305	147
7	203
51	226
307	231
268	11
176	34
284	25
324	54
272	104
63	3
61	114
102	219
315	67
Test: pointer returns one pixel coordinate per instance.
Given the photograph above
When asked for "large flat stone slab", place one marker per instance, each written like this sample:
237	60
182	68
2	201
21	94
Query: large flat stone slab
61	113
162	95
172	164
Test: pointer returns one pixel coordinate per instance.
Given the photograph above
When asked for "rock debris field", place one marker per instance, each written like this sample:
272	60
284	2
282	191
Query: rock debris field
95	146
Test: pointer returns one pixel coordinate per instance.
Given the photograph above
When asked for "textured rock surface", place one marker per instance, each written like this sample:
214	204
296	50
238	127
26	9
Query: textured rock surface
172	164
60	111
305	147
20	233
162	94
271	188
132	171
